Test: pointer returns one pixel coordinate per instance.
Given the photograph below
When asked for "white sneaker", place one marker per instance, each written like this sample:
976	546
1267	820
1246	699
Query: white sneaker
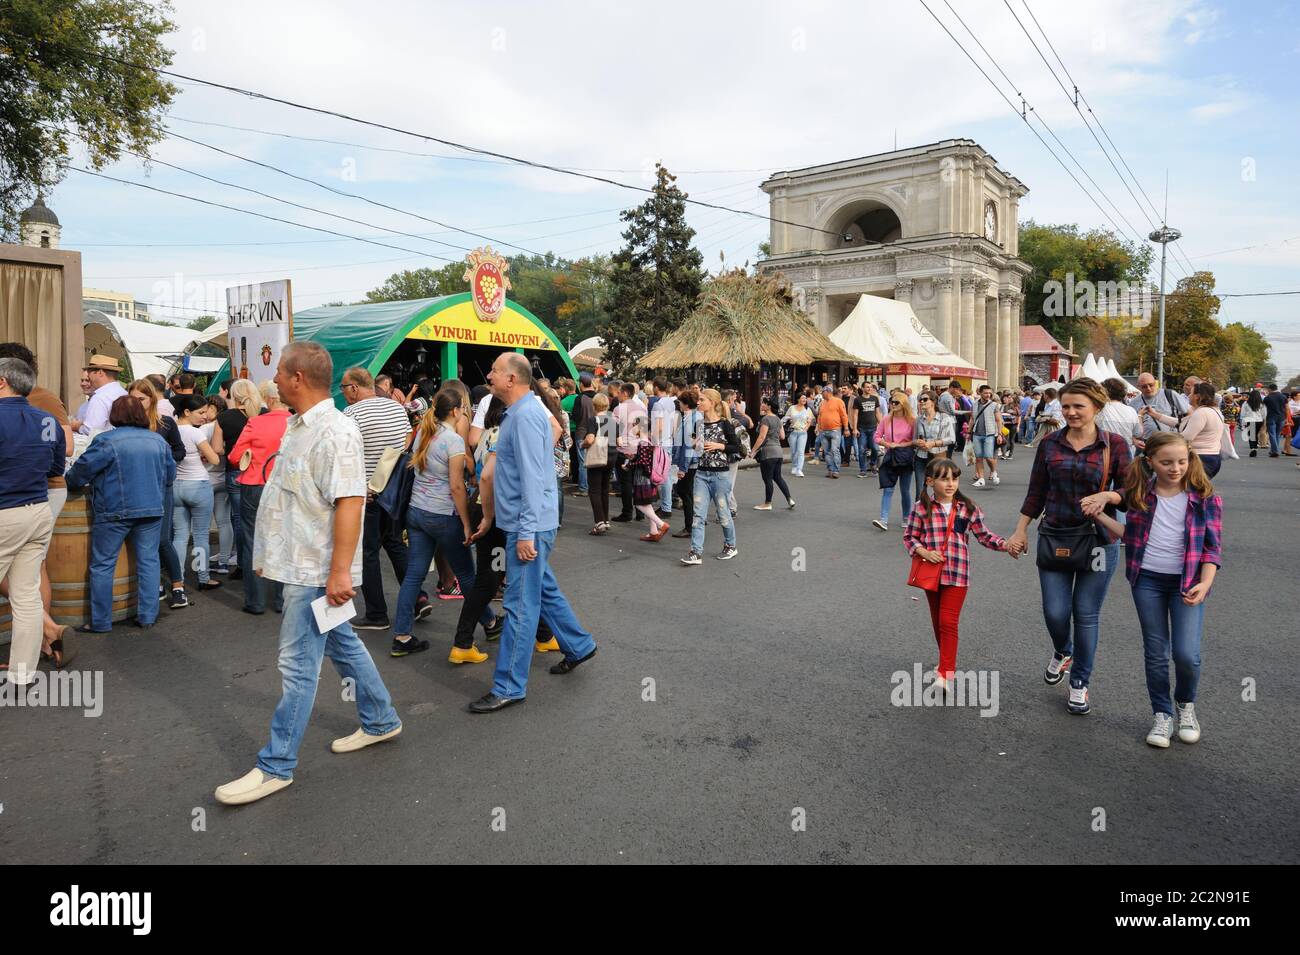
880	525
1189	728
1078	701
250	787
727	553
996	480
691	559
1161	730
1057	667
978	482
361	739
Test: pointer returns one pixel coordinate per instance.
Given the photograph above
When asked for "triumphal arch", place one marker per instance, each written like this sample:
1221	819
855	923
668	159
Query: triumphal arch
934	226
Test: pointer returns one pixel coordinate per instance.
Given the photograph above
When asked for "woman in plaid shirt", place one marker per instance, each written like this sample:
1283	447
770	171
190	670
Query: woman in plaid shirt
1066	487
1172	542
924	536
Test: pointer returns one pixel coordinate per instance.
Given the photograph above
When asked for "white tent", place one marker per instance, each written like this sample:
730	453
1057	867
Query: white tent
885	332
151	349
588	353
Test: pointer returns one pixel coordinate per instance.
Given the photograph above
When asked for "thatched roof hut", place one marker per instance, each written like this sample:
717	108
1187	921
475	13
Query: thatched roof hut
741	321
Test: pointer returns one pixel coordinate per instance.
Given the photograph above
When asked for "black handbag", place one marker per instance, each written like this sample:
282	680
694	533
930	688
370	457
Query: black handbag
897	459
1070	548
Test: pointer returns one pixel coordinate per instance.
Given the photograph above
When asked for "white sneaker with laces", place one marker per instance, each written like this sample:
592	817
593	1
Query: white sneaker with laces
996	480
1189	728
1057	667
1161	729
1078	702
978	482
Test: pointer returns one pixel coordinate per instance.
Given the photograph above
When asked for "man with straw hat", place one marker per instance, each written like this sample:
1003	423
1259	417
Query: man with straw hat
104	372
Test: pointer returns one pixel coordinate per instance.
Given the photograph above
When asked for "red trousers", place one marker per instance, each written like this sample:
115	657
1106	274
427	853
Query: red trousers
945	612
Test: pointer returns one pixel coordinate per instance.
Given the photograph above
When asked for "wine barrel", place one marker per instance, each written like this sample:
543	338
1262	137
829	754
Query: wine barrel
68	564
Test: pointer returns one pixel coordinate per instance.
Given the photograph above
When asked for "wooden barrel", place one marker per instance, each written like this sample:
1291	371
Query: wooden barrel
68	564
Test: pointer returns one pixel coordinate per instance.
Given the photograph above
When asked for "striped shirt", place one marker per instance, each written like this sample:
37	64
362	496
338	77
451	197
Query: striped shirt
383	424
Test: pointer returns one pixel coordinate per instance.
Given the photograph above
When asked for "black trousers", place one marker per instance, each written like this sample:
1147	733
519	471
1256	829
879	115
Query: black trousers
685	488
378	533
598	493
771	468
489	554
624	486
250	497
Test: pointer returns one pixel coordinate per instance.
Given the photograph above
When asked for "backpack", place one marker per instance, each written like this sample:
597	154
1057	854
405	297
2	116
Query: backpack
742	436
661	467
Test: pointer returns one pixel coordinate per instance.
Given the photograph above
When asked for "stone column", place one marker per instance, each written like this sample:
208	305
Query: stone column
1017	319
1006	368
979	323
992	346
943	324
964	335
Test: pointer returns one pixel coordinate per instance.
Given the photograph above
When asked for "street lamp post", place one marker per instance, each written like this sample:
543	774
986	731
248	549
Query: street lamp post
1164	235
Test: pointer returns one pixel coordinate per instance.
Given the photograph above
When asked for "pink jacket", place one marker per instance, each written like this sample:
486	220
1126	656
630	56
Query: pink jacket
894	429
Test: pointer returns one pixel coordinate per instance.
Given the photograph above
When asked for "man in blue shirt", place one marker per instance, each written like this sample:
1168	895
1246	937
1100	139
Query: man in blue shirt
526	508
33	451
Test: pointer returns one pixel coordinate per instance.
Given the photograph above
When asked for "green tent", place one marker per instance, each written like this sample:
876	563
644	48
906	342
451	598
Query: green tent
366	335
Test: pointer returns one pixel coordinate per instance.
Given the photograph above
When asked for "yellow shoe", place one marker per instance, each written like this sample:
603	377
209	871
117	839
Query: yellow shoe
471	654
551	644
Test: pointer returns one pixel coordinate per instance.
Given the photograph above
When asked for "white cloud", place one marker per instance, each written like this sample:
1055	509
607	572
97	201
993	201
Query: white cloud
1208	112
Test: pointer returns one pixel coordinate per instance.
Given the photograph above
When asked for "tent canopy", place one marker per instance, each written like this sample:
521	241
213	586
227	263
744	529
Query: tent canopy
151	349
882	331
589	352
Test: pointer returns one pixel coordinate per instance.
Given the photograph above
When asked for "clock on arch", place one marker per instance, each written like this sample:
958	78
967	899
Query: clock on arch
991	221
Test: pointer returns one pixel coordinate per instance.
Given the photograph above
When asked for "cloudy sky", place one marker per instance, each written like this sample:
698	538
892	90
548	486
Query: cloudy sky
721	92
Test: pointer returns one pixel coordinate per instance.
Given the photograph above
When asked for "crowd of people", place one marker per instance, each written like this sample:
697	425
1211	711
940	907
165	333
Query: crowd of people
466	488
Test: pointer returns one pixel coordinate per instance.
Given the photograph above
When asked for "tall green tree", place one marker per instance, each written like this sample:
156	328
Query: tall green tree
1195	342
1063	257
82	69
202	323
656	277
420	283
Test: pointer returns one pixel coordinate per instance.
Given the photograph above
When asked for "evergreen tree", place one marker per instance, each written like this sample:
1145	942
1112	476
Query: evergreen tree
656	277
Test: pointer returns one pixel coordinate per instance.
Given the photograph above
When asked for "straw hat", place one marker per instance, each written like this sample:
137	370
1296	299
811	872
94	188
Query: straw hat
103	363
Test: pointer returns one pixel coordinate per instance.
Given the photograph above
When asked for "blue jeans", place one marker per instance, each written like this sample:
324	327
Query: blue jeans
1077	596
1168	622
233	488
105	541
192	510
868	451
666	491
582	469
828	442
428	532
887	495
1274	435
533	593
1027	428
798	444
167	559
712	487
250	497
302	650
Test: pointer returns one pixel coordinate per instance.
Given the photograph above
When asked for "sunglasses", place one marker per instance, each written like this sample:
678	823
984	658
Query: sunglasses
894	404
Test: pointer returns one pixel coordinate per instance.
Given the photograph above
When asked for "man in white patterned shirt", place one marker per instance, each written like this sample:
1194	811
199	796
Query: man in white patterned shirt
308	528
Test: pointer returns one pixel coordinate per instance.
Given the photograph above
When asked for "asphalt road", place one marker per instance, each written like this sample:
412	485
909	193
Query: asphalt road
772	705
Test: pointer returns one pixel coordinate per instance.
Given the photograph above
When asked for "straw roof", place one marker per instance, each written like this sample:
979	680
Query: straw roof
741	321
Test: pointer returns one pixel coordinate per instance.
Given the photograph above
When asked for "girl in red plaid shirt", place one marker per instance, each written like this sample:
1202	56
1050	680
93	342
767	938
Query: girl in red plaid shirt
924	536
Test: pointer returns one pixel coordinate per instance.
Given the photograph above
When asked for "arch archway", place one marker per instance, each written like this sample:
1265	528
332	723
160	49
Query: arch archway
863	221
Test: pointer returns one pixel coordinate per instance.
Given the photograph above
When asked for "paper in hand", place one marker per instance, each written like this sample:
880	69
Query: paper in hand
327	617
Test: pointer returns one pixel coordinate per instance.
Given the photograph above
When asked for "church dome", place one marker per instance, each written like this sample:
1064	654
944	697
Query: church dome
39	213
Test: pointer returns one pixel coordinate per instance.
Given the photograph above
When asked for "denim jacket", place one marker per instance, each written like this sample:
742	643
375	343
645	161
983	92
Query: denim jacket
127	470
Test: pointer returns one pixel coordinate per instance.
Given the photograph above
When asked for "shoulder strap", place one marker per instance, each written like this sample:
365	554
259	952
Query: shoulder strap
1105	461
